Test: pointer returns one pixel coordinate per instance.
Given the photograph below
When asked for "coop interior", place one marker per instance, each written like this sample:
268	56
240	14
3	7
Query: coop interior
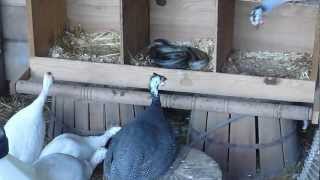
120	31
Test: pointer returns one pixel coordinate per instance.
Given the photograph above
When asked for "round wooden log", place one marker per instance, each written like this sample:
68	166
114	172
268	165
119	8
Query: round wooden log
138	97
192	164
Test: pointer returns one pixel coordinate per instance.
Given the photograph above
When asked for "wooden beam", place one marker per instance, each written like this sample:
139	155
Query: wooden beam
178	80
84	93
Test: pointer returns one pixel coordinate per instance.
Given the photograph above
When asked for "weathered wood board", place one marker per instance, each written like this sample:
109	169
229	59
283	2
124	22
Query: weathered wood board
179	80
288	28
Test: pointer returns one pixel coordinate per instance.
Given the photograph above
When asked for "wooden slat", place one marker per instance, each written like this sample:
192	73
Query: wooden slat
112	111
225	31
16	59
290	146
289	28
58	125
46	23
82	115
13	2
178	80
219	153
95	15
184	20
97	120
52	118
14	23
135	27
242	161
126	113
138	110
271	158
198	123
69	112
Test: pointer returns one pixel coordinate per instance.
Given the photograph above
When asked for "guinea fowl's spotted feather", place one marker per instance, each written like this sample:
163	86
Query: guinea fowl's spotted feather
142	150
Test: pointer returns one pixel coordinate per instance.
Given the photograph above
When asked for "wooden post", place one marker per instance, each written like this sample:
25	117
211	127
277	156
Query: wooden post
3	83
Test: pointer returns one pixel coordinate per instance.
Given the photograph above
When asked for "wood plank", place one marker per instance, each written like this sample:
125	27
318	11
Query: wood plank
198	124
178	80
218	153
291	151
126	113
289	28
271	158
242	132
97	120
184	20
112	111
316	50
52	119
16	59
138	110
95	15
69	113
58	126
13	2
135	23
14	23
225	31
47	24
82	115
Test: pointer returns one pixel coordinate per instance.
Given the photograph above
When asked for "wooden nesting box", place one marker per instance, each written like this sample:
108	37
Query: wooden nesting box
140	21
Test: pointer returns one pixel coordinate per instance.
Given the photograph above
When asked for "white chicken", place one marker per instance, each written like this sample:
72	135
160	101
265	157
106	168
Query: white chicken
52	167
78	146
65	167
26	129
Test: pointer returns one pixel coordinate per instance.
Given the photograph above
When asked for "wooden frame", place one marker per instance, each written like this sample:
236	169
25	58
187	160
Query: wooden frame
41	35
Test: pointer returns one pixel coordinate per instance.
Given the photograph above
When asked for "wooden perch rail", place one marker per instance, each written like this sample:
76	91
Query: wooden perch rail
171	101
206	83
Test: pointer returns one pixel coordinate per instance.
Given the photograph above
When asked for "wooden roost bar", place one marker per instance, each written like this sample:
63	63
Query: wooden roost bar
210	94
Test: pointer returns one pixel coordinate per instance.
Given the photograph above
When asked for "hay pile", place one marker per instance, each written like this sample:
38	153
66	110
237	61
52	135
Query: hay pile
289	65
206	45
77	44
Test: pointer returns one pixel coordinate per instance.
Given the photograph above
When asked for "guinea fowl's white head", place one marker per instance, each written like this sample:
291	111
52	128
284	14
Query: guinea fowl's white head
256	16
156	81
47	82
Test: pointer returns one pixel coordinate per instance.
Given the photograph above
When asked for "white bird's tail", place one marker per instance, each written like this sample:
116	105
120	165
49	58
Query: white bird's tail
100	141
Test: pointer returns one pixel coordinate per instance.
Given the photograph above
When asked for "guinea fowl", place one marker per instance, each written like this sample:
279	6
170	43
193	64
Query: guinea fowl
256	15
26	129
78	146
145	148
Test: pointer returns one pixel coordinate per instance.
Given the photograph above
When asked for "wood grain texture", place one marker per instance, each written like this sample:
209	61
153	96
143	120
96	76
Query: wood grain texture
112	111
218	153
95	15
48	20
198	123
126	113
288	28
271	158
96	116
58	125
225	31
16	59
184	20
242	162
135	23
179	80
82	115
14	23
69	113
291	151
